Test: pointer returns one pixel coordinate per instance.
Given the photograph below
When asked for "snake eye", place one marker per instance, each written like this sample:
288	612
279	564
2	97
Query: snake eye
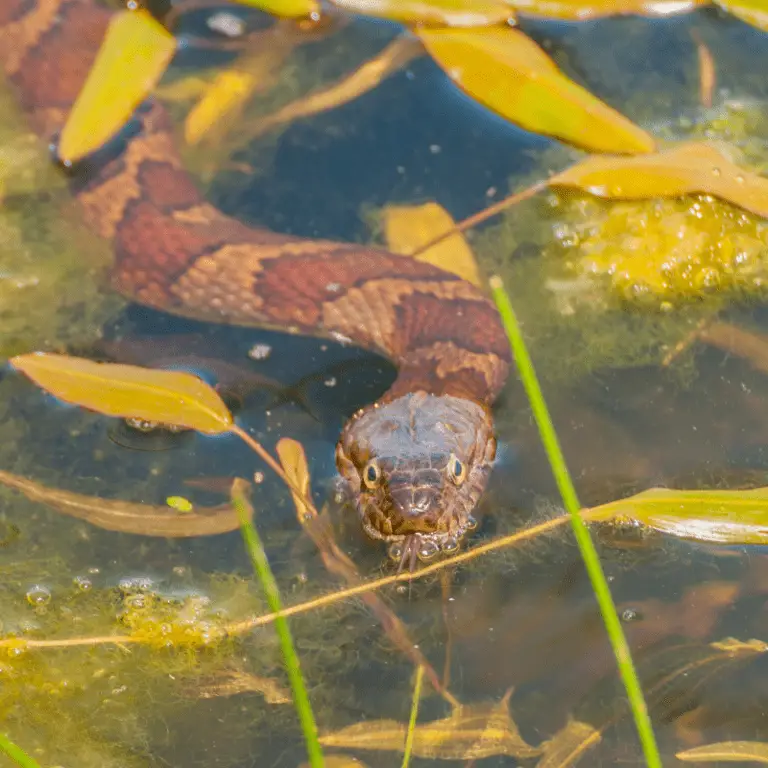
456	469
371	474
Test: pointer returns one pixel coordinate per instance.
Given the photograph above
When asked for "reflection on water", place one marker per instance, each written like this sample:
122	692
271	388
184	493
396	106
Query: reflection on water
521	618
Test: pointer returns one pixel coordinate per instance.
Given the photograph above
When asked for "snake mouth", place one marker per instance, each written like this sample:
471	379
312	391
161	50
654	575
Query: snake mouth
416	536
424	548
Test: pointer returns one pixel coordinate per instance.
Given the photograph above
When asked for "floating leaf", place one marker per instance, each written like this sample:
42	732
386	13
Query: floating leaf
127	391
408	227
128	516
294	463
290	9
715	517
727	752
754	12
508	73
134	55
568	745
444	13
582	10
685	169
471	732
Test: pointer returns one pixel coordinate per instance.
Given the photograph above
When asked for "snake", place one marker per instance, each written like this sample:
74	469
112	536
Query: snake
417	460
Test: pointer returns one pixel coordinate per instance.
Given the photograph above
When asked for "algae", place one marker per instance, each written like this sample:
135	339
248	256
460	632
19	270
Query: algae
53	272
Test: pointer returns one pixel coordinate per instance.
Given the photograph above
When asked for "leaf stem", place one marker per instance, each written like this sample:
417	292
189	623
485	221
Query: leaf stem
17	754
414	714
291	660
586	547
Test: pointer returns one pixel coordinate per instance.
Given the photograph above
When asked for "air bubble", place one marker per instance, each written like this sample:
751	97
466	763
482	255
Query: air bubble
428	550
395	551
38	595
260	352
450	545
83	583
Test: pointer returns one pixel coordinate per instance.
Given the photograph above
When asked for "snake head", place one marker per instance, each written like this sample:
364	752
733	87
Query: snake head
416	467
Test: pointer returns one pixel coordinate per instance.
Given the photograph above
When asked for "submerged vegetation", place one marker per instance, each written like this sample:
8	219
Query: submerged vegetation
102	664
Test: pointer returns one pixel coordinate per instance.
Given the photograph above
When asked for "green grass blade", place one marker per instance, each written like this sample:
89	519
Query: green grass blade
570	500
414	714
290	658
17	754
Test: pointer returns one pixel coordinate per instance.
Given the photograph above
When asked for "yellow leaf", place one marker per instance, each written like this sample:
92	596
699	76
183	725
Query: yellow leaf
727	752
127	391
568	745
128	516
134	55
447	13
338	761
581	10
471	732
717	517
684	169
754	12
291	9
508	73
294	463
408	227
225	96
184	89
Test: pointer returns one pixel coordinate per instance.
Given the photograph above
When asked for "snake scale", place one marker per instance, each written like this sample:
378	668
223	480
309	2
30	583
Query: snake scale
417	460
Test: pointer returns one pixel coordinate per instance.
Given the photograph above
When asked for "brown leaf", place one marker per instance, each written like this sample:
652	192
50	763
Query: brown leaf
735	647
294	463
695	167
408	227
365	78
471	732
127	391
507	72
128	516
582	10
753	347
234	682
727	752
568	745
442	13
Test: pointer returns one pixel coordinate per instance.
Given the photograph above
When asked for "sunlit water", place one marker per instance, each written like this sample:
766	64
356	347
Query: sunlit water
523	617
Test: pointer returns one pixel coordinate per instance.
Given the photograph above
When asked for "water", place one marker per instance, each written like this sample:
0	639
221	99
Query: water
523	617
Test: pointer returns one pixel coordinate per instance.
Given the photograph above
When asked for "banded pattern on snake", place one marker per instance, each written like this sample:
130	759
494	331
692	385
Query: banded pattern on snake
418	459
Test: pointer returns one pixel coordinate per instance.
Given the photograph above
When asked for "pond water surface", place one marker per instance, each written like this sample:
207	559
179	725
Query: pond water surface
521	618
